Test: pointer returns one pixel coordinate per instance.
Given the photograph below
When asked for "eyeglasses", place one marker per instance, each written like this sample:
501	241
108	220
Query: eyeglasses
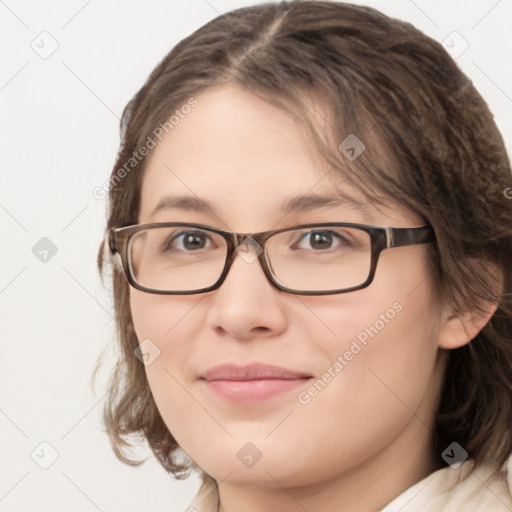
175	258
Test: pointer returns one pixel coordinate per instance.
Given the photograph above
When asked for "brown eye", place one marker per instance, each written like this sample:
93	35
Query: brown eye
321	240
187	241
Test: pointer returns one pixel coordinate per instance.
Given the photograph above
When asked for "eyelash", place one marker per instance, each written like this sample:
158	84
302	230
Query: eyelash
167	245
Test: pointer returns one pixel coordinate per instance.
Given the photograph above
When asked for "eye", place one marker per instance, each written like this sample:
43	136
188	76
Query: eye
321	240
188	241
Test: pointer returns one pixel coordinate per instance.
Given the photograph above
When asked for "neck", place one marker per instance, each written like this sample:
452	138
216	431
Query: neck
369	487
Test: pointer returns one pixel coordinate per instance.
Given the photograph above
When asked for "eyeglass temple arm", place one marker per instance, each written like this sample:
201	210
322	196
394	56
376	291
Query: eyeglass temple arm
113	246
399	237
111	241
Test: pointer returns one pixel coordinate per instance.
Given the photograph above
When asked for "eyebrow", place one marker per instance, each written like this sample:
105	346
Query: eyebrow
298	204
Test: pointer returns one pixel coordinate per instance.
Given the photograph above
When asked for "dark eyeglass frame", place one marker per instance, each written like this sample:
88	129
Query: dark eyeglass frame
381	238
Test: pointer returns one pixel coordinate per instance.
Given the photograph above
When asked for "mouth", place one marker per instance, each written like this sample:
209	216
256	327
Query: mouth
251	383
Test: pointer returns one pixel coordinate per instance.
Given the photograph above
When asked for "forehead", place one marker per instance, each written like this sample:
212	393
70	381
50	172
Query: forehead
241	154
230	133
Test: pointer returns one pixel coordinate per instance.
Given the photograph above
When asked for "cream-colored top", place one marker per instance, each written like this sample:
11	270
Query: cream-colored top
445	490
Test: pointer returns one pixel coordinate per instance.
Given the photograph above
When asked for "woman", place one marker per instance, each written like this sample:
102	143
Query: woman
311	239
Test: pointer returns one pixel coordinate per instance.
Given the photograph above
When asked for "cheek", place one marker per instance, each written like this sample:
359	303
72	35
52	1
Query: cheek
157	321
166	320
152	314
383	367
169	327
394	326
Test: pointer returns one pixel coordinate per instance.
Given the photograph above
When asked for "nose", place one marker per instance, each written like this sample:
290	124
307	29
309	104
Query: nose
247	305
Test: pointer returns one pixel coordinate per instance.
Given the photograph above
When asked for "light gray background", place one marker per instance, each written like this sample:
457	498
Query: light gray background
60	136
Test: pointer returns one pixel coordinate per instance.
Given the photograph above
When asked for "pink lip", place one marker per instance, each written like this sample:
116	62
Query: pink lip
251	383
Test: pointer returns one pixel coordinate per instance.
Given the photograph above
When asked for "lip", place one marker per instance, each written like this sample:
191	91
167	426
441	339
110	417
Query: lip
251	383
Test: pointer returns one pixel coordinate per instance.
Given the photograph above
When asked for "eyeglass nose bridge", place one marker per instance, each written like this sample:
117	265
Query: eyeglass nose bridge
249	247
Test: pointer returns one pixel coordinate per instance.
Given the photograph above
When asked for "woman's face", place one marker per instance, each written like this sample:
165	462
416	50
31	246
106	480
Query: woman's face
361	370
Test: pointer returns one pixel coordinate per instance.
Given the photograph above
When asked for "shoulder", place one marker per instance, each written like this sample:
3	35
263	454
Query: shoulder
459	489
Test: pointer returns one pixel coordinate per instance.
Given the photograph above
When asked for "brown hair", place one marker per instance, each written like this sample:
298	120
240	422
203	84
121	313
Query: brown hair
397	89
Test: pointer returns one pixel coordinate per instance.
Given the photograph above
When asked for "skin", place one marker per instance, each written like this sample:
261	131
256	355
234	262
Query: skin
366	437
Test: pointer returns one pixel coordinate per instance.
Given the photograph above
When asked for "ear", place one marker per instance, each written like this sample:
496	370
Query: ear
459	329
